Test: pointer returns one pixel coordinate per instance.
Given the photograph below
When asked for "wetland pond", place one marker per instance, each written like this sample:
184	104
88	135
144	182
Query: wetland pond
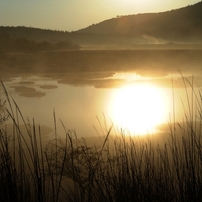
137	95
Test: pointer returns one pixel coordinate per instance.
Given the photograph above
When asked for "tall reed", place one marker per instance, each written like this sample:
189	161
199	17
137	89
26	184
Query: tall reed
25	172
120	168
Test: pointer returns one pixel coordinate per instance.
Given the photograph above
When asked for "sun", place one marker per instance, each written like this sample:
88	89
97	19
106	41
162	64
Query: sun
138	108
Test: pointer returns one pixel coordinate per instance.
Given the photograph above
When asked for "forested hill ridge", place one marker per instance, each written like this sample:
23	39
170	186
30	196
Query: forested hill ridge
183	25
176	25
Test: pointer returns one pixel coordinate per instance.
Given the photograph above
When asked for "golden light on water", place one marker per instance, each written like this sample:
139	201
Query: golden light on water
138	108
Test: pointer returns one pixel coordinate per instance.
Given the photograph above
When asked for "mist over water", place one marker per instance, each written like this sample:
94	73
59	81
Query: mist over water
135	103
132	89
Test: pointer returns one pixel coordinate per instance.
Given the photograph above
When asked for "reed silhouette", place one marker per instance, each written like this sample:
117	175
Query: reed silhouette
119	168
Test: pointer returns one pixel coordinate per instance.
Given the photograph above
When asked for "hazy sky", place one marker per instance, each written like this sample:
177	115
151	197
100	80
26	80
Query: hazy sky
71	15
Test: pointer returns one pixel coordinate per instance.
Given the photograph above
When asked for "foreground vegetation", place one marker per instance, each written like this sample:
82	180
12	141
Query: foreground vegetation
120	168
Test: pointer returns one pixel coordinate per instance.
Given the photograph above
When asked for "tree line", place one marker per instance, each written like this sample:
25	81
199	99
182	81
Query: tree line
9	43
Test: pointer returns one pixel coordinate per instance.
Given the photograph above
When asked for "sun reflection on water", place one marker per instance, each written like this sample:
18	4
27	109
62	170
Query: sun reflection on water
138	108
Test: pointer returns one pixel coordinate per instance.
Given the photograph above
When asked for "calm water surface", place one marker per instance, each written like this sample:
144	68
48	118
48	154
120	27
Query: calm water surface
139	105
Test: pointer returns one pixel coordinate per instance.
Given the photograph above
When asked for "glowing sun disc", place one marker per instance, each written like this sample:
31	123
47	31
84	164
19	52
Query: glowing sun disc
138	108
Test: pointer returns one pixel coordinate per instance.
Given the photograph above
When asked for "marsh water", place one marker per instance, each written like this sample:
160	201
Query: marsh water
88	102
87	110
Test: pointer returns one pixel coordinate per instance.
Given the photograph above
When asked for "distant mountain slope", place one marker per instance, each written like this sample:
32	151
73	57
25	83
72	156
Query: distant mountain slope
180	24
183	25
35	33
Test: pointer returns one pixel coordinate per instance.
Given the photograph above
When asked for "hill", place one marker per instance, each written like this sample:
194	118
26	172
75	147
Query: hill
179	26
